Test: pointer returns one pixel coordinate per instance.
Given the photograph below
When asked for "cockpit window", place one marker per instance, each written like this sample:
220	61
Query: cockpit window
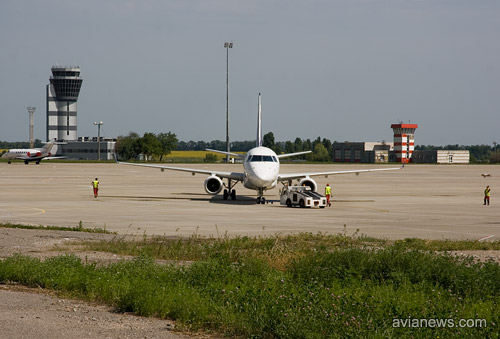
261	158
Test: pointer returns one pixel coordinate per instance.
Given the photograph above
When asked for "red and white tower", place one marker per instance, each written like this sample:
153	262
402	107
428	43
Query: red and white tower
404	141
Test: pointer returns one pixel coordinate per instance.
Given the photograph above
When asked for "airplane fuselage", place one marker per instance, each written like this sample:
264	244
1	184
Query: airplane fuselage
262	167
31	154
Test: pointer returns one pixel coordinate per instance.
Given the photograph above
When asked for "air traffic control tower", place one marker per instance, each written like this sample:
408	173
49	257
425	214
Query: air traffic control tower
62	94
404	141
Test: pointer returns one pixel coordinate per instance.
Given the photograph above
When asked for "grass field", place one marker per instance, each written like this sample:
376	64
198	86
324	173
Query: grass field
297	286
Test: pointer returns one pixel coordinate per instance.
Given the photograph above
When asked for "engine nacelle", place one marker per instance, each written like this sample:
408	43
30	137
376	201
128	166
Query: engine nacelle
213	185
37	154
309	183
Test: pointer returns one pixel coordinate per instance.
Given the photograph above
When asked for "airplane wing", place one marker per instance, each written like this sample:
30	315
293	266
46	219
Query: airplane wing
220	174
53	158
292	176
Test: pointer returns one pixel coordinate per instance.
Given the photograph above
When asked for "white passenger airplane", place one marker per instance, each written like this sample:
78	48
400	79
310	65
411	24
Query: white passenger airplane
261	168
30	154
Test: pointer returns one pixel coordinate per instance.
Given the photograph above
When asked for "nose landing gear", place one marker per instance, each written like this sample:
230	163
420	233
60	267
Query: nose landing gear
261	200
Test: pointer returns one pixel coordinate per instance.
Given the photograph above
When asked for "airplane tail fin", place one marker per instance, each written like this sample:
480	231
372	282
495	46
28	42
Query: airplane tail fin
47	147
259	123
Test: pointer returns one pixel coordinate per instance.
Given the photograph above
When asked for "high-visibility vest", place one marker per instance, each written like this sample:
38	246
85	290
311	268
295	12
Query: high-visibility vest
487	192
328	190
95	184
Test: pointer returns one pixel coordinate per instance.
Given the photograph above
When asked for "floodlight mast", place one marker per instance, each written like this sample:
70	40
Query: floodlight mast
227	46
98	124
31	110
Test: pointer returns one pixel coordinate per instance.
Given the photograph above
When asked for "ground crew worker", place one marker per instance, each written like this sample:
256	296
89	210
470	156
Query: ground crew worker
328	193
95	185
487	195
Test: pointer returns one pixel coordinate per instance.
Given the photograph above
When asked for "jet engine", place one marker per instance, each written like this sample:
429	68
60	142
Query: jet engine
309	183
37	154
213	184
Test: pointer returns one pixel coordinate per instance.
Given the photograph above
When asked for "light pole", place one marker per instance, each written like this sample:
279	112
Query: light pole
98	124
31	110
227	46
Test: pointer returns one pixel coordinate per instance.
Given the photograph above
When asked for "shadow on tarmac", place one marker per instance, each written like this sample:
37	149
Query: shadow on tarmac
240	200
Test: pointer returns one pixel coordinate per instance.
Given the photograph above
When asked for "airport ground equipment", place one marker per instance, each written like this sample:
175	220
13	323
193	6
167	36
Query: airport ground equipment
301	196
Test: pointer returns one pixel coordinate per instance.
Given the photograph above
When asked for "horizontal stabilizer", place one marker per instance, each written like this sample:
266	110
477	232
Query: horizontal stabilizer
227	153
292	154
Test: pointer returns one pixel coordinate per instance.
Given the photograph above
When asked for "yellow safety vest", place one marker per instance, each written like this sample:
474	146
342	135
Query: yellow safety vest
95	184
487	192
328	190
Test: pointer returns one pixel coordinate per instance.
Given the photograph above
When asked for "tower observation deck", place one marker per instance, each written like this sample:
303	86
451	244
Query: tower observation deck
62	95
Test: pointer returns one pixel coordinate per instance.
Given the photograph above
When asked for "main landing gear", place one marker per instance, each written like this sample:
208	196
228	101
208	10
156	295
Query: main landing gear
229	192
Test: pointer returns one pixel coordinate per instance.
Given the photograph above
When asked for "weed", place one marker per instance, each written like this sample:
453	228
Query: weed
306	285
78	228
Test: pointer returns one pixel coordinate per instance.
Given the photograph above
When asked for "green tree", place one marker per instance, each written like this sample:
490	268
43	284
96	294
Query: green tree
127	146
299	145
168	142
319	154
149	145
268	140
494	158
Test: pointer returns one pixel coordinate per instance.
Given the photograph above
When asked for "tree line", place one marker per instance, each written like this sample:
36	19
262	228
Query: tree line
149	145
20	144
161	144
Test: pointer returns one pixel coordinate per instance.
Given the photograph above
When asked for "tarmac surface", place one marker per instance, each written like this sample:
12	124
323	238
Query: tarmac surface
423	201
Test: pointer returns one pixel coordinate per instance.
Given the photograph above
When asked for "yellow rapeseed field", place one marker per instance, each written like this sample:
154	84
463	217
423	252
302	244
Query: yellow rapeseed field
195	154
190	154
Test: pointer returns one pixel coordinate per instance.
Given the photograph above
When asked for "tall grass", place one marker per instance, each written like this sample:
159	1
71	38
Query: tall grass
78	228
307	286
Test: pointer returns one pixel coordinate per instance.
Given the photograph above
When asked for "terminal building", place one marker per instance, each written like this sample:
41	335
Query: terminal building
86	148
63	91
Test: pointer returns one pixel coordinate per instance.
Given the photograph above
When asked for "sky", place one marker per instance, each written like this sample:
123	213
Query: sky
338	69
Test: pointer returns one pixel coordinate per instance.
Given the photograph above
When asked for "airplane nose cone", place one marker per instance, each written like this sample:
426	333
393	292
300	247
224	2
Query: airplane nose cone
265	176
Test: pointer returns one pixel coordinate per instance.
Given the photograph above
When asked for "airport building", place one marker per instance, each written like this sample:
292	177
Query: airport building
62	95
86	148
441	157
365	152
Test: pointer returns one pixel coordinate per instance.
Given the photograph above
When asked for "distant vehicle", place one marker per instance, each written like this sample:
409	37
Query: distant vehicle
30	154
260	170
301	196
